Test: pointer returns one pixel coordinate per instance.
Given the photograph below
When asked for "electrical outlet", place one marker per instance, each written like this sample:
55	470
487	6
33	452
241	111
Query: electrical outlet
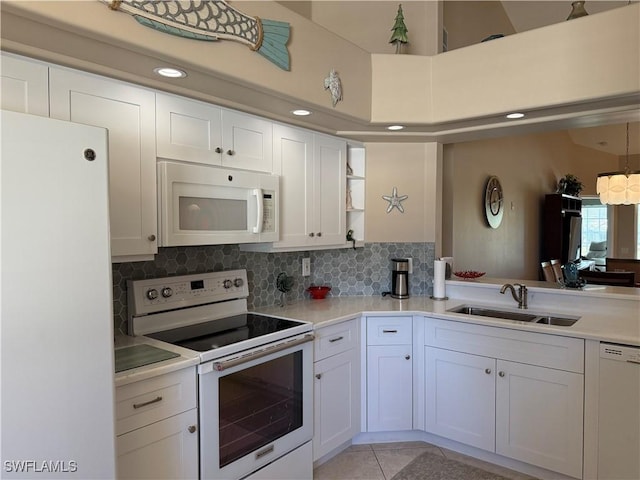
410	265
306	267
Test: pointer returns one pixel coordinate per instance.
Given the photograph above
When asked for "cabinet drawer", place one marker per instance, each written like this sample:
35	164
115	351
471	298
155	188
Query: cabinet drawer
142	403
389	330
553	351
335	339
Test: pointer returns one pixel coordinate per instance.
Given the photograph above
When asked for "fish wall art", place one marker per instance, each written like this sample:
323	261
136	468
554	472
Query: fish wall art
211	20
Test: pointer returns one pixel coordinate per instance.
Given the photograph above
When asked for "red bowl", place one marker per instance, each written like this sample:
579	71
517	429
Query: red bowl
318	293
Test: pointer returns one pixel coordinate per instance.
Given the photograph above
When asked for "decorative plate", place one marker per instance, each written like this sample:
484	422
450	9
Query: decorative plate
493	202
468	274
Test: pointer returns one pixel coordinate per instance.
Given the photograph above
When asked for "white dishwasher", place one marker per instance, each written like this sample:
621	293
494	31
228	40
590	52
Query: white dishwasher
619	413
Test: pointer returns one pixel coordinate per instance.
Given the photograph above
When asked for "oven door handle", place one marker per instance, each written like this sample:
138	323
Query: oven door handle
232	362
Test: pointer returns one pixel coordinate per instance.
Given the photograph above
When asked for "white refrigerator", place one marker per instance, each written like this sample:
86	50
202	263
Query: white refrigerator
56	324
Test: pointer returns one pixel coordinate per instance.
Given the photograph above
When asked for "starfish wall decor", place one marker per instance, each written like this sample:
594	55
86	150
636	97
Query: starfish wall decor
395	200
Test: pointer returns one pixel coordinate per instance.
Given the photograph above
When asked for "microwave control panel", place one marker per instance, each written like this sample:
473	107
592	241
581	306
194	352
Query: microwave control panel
268	213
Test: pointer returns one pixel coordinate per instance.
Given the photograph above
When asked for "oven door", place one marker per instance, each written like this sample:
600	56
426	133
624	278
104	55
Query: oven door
255	407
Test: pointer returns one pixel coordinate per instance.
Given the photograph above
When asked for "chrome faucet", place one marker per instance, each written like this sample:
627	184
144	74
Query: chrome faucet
520	297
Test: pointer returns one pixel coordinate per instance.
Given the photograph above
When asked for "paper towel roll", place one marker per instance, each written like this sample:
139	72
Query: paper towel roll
439	269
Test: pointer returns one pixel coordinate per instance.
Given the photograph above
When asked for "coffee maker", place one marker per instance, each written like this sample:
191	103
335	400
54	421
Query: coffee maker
399	278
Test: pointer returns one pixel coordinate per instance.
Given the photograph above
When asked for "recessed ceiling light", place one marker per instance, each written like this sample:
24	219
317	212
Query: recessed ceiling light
515	115
170	72
301	112
395	127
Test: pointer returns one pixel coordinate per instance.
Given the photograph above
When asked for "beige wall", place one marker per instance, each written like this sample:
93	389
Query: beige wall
467	23
413	169
528	168
369	26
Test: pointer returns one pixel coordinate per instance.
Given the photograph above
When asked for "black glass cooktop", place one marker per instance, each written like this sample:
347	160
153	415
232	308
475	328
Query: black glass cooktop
225	331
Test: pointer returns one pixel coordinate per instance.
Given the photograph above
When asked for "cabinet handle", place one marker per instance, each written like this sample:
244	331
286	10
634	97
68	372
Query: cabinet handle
218	150
337	339
318	376
192	429
151	238
407	357
144	404
312	234
230	152
501	374
389	331
487	371
319	234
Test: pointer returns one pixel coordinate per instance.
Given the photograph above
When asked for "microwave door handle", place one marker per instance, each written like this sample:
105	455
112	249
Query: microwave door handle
258	193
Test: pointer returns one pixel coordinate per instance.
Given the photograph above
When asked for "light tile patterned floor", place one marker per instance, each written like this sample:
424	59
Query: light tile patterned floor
381	461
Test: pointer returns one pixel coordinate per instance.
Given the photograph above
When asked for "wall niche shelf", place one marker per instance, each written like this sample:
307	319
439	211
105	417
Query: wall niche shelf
356	187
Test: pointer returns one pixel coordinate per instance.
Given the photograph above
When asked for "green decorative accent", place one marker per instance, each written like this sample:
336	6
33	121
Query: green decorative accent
570	185
164	28
274	43
400	31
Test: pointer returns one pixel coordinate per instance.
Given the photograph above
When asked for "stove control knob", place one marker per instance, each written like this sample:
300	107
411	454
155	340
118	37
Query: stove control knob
238	282
227	284
167	292
152	294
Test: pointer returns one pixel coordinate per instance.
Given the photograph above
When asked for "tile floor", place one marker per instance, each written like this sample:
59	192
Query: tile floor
381	461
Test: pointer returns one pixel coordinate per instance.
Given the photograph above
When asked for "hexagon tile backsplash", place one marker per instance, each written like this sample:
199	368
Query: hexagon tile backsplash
364	271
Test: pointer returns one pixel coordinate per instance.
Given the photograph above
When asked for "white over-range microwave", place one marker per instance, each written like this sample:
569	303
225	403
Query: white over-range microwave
206	205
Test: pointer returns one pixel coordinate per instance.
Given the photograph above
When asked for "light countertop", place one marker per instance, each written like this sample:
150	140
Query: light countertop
607	314
610	314
185	359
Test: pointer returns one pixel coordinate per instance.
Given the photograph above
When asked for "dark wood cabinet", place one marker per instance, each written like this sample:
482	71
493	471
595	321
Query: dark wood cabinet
561	228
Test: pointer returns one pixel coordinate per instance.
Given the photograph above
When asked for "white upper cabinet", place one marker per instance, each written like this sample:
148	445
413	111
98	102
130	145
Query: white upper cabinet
247	142
312	169
24	86
329	184
188	130
128	112
198	132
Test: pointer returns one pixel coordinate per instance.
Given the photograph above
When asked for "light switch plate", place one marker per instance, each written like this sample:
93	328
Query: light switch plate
306	267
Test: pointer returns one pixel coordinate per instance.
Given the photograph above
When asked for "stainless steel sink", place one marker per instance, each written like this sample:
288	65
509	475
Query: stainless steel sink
559	321
517	316
486	312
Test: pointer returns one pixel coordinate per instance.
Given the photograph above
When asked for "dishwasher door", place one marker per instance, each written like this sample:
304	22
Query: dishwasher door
619	413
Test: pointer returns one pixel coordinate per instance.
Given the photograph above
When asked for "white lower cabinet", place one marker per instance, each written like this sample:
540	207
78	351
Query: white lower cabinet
493	396
389	374
452	411
166	449
157	427
336	387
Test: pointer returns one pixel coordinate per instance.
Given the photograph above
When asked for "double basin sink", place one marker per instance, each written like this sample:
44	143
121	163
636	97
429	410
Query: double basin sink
517	316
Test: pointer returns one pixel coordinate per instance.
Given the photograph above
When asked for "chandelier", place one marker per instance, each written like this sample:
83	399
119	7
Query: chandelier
620	188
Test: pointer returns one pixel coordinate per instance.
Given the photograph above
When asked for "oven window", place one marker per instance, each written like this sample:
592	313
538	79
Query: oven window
212	214
259	405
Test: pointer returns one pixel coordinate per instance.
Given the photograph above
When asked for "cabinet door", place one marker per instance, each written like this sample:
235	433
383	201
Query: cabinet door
389	388
24	86
330	183
247	142
460	397
128	112
293	153
166	449
539	417
336	401
188	130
